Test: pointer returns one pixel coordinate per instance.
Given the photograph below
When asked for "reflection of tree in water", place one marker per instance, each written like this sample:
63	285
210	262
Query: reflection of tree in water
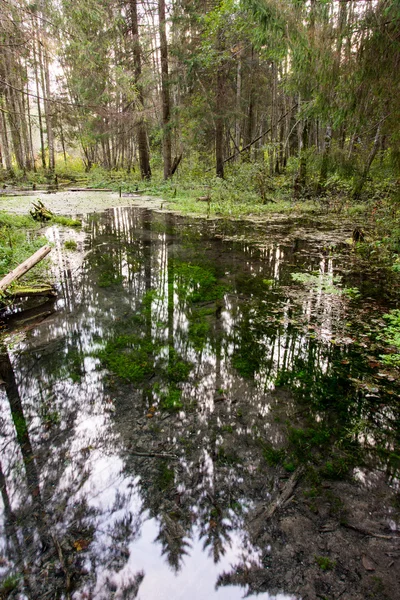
205	486
199	427
44	512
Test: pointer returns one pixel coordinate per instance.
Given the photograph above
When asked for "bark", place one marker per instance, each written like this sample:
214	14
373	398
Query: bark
28	108
325	159
301	177
249	127
238	103
14	111
45	77
24	267
165	94
4	140
219	118
143	148
363	177
63	141
39	108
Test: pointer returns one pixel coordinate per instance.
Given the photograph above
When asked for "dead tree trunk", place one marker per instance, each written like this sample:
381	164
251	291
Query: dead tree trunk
363	177
24	267
325	159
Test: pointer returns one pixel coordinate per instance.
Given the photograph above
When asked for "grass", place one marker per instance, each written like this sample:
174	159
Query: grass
18	241
66	221
70	245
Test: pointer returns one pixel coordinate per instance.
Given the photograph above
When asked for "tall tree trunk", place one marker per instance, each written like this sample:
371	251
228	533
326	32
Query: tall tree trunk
219	127
360	182
39	108
143	147
238	104
219	115
325	159
45	77
14	112
4	140
301	177
28	108
165	92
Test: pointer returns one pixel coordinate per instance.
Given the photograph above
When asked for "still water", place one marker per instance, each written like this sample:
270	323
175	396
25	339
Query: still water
189	422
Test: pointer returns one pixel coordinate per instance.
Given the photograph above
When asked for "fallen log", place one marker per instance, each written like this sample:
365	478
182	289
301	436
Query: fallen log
40	212
285	494
83	189
47	291
24	267
287	491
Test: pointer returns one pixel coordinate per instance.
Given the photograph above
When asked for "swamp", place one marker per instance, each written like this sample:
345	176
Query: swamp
199	299
204	410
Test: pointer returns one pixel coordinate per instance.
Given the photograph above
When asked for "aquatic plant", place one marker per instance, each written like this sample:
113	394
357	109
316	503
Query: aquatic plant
70	245
325	282
325	563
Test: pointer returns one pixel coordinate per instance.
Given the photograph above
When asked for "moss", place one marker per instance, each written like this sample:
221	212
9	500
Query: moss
8	585
165	476
129	357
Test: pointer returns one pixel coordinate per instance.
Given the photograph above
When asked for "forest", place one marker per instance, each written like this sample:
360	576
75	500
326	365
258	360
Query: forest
295	99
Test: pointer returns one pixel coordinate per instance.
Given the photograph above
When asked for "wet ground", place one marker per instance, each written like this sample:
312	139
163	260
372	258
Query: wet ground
187	421
73	203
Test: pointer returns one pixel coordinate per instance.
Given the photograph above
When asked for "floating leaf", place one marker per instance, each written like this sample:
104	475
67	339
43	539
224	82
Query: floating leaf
81	545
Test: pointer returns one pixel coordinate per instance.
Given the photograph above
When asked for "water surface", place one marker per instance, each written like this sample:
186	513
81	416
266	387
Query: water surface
182	384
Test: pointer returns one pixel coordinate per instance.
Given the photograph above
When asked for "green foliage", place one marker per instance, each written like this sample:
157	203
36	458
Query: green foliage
177	370
171	400
109	278
391	335
197	283
273	456
325	282
66	221
129	357
8	585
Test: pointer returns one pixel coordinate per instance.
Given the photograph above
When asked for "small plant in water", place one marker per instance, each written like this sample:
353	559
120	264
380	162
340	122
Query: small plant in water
391	335
70	245
325	282
325	563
